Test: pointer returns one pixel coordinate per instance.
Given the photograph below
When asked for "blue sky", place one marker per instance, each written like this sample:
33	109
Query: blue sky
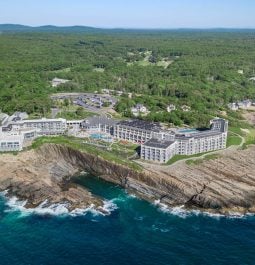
131	13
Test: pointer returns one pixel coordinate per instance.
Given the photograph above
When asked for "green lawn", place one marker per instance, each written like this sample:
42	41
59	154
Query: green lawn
249	137
233	140
182	157
199	161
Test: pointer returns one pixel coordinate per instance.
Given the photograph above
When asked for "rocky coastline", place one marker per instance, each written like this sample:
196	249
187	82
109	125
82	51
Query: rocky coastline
223	185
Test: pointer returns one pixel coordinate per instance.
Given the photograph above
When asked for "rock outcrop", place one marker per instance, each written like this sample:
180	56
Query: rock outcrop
42	176
222	185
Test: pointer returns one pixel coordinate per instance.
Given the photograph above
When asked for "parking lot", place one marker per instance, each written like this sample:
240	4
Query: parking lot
98	103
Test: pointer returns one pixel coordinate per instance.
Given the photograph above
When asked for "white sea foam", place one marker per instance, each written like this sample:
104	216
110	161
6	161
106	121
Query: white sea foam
58	209
3	193
106	209
84	211
131	195
124	198
181	212
109	206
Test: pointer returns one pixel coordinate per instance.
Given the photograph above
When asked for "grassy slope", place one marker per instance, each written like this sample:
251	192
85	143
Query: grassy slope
182	157
233	140
199	161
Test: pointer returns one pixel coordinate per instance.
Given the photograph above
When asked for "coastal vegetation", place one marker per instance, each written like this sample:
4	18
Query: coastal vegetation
116	153
74	113
192	68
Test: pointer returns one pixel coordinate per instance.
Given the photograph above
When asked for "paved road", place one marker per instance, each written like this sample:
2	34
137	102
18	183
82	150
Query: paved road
54	112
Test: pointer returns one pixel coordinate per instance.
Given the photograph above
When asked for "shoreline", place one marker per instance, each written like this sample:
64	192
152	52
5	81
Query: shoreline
61	209
197	187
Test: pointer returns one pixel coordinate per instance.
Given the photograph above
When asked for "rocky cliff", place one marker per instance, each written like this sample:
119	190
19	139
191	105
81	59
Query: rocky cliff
222	185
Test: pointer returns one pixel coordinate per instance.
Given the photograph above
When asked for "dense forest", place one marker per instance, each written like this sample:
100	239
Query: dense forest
193	68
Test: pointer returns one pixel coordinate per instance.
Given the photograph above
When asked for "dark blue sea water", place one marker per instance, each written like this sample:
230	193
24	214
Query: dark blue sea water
136	232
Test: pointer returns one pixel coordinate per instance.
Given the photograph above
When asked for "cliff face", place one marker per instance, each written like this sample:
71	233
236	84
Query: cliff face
43	175
222	185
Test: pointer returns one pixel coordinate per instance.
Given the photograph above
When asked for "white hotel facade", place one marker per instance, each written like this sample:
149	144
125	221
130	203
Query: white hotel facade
157	143
188	143
16	140
18	133
43	126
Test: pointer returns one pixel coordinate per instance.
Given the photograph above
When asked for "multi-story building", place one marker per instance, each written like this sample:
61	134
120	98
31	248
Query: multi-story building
200	142
15	140
158	150
44	126
138	131
99	124
157	143
187	143
10	143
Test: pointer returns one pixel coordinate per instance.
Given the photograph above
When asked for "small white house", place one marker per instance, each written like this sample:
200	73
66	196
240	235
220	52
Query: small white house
171	107
119	92
245	104
21	115
241	72
58	81
185	108
139	109
233	106
106	91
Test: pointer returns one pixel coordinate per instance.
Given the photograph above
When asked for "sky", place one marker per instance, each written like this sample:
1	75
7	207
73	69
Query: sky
130	13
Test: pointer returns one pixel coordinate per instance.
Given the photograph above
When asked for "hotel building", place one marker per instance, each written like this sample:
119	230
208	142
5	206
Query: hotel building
187	143
43	126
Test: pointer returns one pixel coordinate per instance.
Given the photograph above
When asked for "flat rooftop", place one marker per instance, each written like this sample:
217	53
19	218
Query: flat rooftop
158	143
95	120
197	135
41	120
140	124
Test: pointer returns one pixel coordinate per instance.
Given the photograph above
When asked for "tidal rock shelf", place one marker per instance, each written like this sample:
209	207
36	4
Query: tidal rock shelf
222	185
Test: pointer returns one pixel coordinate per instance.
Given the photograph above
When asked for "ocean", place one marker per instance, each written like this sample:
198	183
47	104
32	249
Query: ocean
134	232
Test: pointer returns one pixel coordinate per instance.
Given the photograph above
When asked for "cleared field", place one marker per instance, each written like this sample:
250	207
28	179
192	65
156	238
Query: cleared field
99	70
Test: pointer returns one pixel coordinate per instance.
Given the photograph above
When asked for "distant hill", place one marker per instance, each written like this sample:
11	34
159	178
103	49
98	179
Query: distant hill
47	28
13	27
16	28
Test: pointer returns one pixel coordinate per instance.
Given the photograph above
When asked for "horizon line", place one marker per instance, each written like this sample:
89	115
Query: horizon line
131	28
